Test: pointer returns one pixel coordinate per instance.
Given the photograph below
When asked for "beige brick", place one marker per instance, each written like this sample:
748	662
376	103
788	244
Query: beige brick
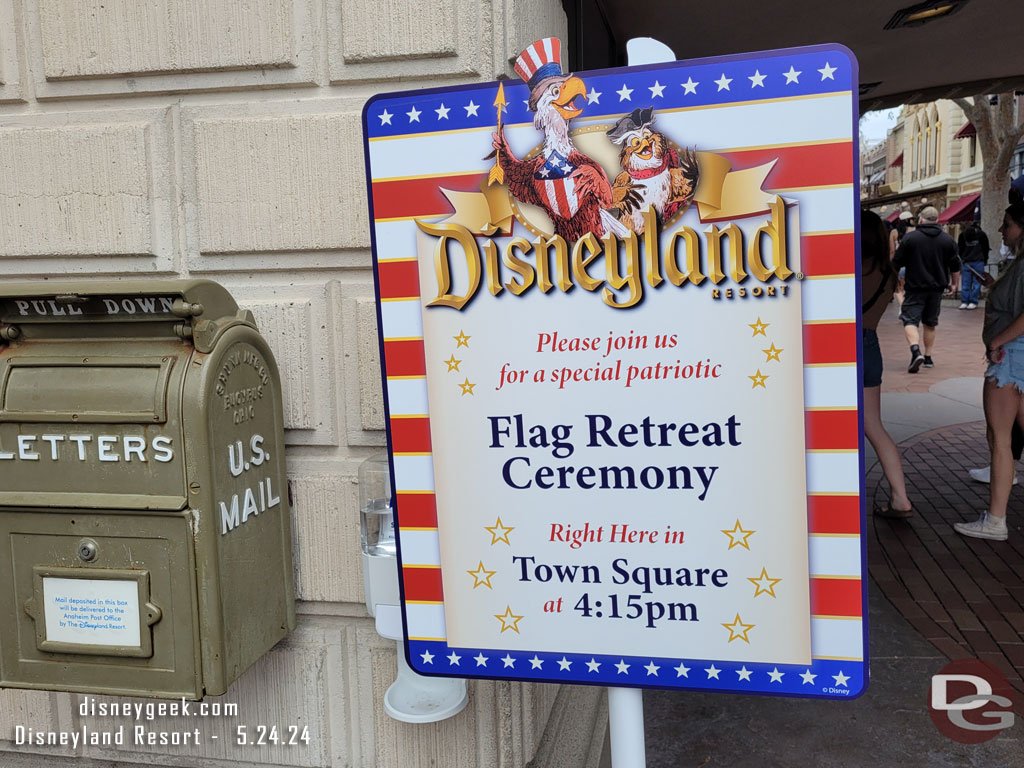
10	89
531	21
32	709
387	743
371	395
325	538
102	38
40	710
286	687
288	329
294	319
288	183
387	39
382	30
360	391
79	190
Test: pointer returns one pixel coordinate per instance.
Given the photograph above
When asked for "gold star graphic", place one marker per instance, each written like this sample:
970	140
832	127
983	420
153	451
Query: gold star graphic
462	339
759	327
500	532
509	620
765	585
773	353
759	379
453	364
467	388
738	629
482	576
738	536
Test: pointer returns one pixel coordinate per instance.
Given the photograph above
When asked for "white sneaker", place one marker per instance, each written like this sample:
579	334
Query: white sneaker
984	475
972	305
985	527
963	306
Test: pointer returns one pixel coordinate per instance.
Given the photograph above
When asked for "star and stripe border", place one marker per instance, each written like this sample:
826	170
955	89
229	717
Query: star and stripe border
833	427
788	74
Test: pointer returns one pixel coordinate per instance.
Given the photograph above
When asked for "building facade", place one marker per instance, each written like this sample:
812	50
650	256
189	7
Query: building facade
934	155
926	162
932	158
222	139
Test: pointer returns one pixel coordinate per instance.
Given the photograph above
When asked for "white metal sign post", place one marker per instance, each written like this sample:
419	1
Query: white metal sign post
618	322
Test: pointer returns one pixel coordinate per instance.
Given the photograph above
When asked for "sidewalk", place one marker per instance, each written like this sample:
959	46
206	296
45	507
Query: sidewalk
966	596
933	596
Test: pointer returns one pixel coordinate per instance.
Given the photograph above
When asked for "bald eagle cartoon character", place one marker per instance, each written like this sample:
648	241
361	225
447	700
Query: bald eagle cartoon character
571	187
652	170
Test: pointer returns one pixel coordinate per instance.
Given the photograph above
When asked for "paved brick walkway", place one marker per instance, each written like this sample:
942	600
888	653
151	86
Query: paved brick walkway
959	350
966	596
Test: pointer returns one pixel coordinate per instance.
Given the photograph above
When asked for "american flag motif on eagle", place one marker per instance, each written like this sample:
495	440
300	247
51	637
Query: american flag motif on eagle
554	184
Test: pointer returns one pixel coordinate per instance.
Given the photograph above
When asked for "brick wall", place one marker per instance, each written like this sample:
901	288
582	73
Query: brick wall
222	139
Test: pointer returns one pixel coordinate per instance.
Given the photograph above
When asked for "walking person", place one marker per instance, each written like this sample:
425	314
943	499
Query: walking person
904	224
973	248
878	281
1003	393
929	255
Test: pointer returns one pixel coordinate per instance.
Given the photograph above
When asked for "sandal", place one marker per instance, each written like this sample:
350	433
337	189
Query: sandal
893	514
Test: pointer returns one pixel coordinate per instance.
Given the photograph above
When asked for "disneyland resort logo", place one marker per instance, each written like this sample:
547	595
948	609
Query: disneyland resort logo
581	219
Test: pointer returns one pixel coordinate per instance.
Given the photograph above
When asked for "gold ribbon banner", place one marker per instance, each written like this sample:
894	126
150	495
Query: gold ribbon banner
721	193
480	212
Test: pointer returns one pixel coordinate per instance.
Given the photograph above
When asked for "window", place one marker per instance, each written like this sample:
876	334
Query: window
1017	163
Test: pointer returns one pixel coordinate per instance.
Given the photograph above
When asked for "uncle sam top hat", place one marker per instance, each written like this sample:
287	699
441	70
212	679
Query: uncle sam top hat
538	65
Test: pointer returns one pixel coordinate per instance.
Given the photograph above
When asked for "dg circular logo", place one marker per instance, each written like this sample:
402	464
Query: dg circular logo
970	701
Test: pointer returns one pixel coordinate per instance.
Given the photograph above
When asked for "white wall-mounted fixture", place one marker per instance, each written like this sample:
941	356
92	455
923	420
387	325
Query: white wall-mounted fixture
412	698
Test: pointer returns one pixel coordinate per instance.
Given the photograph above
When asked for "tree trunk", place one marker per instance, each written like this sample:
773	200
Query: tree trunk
998	130
994	188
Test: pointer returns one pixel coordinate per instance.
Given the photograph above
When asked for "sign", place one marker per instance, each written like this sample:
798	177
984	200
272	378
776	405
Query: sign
619	320
76	307
92	611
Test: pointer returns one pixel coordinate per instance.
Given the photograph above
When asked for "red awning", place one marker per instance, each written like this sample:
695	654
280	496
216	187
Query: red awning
961	210
967	131
898	162
891	218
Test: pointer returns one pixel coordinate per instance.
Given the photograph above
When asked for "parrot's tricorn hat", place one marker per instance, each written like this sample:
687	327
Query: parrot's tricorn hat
636	120
539	65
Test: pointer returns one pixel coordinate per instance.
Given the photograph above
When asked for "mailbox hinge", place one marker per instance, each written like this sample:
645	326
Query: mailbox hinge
9	332
205	333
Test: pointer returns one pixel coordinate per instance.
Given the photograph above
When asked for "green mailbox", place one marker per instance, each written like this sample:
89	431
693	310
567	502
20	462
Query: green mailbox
145	527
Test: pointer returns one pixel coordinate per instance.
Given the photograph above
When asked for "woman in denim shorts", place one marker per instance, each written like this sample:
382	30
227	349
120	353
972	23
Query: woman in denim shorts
878	281
1003	395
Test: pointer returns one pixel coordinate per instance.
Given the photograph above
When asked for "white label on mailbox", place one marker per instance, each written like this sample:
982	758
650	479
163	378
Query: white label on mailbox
92	611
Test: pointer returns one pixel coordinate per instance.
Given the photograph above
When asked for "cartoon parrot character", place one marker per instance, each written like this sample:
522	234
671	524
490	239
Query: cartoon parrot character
571	187
651	169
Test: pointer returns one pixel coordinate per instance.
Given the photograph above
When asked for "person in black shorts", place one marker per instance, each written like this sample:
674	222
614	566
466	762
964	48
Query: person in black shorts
930	258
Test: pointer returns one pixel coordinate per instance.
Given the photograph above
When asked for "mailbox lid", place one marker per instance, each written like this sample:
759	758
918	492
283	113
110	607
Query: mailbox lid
93	424
65	303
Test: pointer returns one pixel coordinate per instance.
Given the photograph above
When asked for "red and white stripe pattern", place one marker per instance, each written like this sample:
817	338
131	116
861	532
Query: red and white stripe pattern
832	431
819	172
554	182
561	196
536	55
